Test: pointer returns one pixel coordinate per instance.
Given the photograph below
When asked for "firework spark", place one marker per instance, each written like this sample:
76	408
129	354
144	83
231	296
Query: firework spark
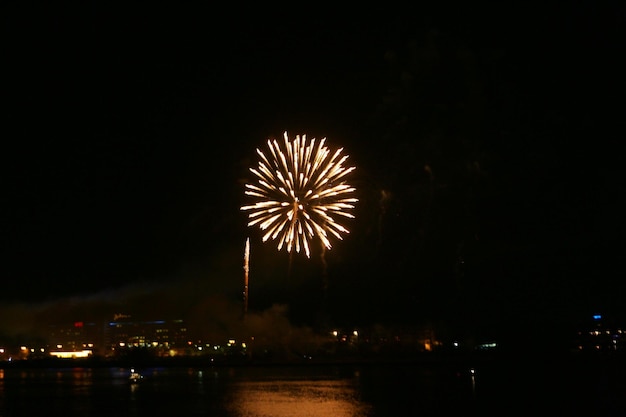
301	193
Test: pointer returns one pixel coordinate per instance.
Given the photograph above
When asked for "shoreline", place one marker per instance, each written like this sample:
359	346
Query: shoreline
617	359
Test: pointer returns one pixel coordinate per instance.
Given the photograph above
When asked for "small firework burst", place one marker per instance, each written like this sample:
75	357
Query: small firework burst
300	193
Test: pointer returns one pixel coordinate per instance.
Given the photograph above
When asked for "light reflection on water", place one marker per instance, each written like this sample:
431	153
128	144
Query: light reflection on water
339	391
278	398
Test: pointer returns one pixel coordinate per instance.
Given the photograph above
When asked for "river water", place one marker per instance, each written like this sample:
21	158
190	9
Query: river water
368	390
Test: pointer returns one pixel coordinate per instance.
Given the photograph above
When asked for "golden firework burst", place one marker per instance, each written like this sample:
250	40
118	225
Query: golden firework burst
301	192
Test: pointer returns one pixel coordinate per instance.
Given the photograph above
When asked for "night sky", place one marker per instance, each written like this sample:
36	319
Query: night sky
489	146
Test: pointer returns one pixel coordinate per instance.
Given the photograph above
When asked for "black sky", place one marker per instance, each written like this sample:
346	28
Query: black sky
128	134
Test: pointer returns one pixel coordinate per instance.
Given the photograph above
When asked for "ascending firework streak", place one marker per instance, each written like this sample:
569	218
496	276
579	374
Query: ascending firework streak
301	190
246	269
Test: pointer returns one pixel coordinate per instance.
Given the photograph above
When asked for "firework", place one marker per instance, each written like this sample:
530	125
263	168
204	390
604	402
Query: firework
300	193
246	269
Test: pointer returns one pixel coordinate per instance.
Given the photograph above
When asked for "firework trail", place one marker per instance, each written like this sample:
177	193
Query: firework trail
246	269
300	193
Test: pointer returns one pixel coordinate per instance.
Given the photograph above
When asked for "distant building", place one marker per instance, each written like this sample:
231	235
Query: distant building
601	335
75	337
164	337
